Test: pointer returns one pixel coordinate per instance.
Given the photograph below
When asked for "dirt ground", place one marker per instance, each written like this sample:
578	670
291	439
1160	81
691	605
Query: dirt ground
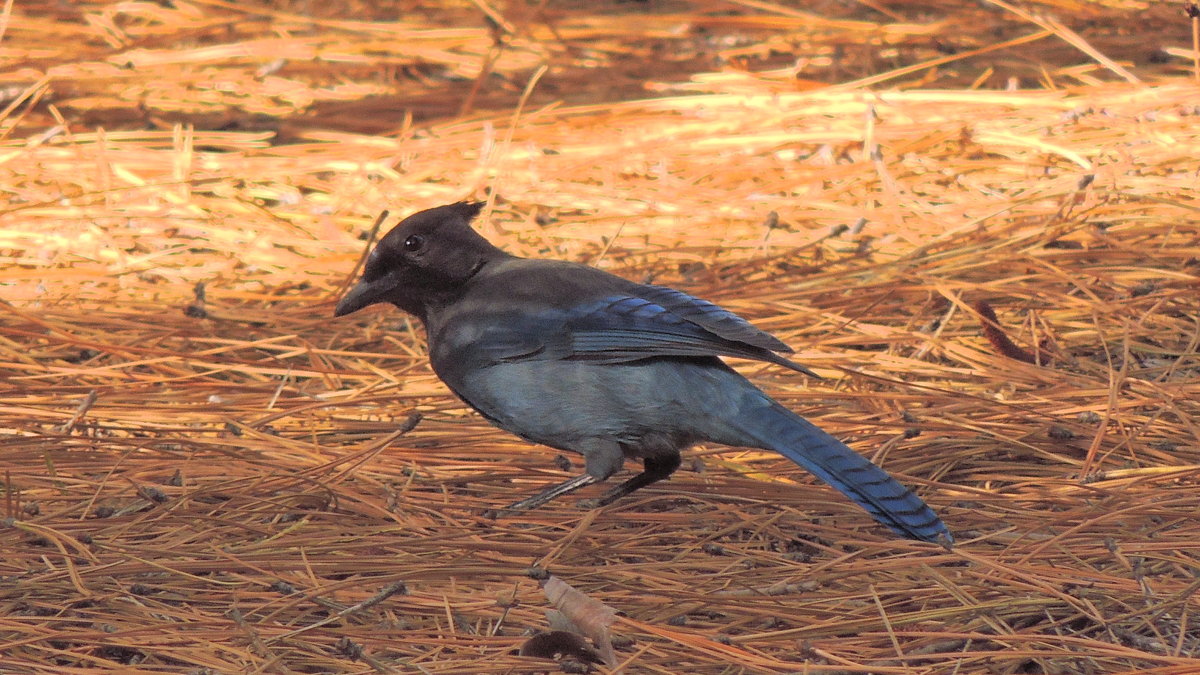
978	222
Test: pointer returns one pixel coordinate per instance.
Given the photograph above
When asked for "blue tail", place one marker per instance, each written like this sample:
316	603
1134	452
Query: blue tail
779	429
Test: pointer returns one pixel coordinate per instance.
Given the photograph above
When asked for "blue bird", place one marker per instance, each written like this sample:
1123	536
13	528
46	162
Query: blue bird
577	359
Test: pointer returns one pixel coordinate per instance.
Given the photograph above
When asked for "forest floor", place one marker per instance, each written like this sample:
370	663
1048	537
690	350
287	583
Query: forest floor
978	222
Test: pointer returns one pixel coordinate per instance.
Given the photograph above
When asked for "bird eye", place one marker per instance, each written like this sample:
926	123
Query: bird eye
414	243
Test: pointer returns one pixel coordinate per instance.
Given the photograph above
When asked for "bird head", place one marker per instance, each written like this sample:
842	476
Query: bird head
424	259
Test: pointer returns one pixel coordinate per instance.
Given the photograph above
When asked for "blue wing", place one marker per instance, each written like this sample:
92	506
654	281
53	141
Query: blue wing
716	320
621	328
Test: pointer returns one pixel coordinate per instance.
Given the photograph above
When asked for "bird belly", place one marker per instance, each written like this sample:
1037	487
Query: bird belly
649	407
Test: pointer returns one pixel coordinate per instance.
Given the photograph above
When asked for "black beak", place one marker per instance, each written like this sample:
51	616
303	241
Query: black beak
363	294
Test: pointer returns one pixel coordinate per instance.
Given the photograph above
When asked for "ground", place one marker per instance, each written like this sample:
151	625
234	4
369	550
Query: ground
977	222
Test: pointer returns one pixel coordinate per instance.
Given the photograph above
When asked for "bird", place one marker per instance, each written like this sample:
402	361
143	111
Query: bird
575	358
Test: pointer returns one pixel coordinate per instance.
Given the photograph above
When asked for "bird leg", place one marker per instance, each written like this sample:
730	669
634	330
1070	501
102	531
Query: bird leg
544	496
656	469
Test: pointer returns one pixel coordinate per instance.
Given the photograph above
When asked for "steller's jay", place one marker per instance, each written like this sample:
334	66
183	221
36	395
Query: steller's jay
578	359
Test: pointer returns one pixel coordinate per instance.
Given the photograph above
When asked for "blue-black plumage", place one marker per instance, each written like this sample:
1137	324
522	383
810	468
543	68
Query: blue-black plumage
581	360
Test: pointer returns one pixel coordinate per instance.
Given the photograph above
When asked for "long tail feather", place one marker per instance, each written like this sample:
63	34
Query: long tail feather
892	504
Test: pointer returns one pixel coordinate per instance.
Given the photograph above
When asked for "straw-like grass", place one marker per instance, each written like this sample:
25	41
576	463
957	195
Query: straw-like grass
204	472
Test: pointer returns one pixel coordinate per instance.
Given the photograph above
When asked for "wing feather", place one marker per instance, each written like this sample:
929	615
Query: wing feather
623	328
